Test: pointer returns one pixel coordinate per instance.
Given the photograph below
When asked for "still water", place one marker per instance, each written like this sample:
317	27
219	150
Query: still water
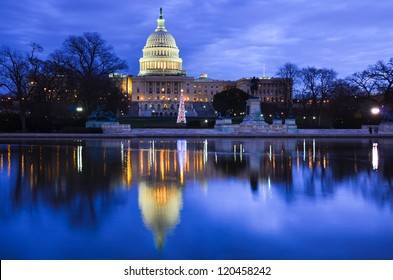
197	199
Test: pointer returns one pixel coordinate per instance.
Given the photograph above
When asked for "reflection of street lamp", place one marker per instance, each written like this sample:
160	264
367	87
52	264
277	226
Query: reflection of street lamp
374	156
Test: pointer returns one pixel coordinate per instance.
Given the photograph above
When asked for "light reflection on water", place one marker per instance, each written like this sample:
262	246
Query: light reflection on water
203	199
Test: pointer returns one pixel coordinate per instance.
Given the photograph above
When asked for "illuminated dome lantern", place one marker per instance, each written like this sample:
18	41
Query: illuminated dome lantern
160	54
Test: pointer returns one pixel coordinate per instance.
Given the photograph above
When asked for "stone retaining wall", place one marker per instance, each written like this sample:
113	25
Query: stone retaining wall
110	127
116	128
386	127
267	128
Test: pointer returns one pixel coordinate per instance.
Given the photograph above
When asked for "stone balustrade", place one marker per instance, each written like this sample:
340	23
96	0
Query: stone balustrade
109	127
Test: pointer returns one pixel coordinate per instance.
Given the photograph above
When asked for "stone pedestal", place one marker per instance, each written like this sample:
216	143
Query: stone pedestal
254	122
291	125
224	124
277	121
253	114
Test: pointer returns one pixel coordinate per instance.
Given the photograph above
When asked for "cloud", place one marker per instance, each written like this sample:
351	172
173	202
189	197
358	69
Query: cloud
226	38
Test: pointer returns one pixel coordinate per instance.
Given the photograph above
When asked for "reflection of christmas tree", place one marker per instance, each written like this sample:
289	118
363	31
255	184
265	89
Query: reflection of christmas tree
181	115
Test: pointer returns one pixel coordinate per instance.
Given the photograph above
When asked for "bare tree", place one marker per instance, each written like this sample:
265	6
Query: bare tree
50	95
364	81
344	88
17	71
344	104
318	85
383	75
89	60
290	74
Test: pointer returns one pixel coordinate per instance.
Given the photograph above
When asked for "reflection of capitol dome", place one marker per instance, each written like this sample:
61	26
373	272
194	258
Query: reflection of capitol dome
160	54
160	206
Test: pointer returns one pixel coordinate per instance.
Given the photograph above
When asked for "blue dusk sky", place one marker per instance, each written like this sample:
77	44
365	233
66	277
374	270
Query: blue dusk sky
226	39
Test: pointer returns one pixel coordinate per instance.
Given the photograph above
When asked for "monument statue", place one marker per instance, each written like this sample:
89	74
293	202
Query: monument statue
102	116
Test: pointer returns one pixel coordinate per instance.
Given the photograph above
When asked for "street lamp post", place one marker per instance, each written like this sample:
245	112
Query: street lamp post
375	111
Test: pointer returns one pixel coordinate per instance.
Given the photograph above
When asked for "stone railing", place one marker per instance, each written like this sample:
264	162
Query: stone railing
116	128
268	128
110	127
224	125
386	127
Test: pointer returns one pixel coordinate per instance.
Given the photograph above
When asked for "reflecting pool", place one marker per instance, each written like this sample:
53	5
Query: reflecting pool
197	199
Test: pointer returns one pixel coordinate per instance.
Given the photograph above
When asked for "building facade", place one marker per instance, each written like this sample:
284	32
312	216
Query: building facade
266	89
161	79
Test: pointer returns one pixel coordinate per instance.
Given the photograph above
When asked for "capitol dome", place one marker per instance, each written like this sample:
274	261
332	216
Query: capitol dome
160	54
160	39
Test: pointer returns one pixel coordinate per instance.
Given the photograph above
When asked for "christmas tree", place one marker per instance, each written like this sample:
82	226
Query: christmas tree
181	115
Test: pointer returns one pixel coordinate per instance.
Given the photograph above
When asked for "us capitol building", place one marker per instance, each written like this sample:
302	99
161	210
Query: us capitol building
161	79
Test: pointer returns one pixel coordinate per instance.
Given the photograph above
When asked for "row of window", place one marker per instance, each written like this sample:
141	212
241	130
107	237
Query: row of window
205	86
164	114
196	99
269	92
156	98
272	99
168	90
162	84
161	53
176	92
269	85
165	106
164	65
